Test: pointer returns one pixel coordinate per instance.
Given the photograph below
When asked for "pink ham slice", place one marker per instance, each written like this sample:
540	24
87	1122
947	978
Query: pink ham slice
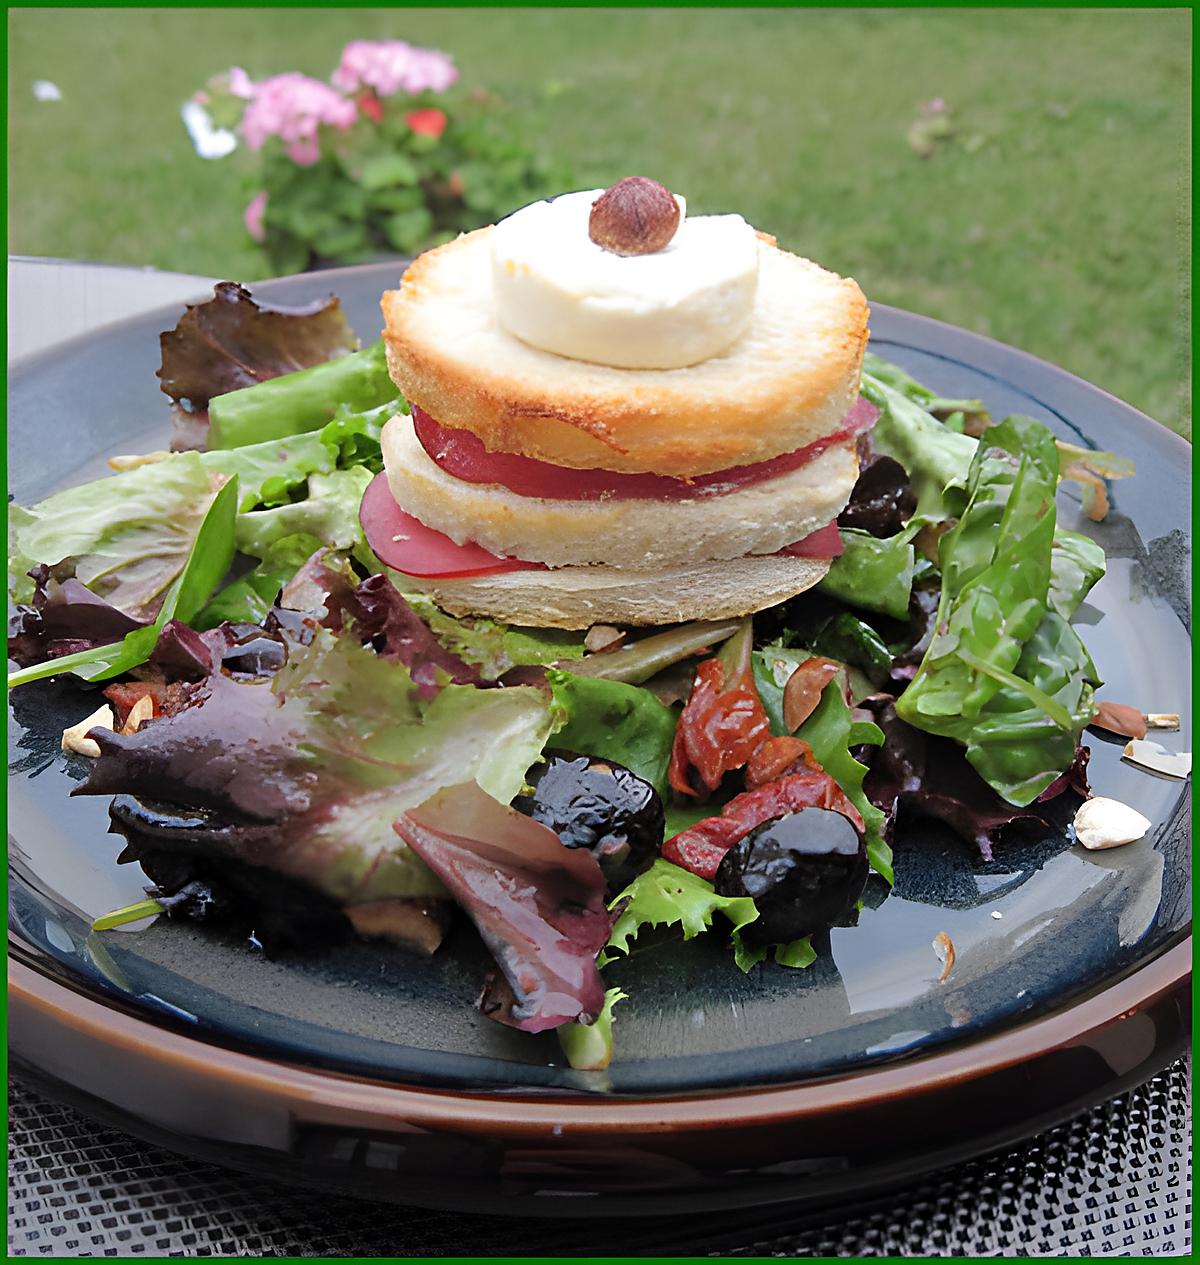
407	545
462	454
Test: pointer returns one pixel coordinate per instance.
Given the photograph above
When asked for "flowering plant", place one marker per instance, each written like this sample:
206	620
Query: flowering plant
384	156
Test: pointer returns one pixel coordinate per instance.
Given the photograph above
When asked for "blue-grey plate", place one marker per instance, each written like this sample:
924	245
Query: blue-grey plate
1044	924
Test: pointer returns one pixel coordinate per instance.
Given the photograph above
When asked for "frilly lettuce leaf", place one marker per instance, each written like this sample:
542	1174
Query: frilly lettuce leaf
126	538
493	647
667	895
231	341
304	773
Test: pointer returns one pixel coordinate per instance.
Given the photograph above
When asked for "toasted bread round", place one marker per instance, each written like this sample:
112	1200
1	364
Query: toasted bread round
577	597
789	380
758	519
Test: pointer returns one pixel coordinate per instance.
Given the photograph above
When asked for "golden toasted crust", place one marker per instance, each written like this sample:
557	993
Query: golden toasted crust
787	381
761	518
576	597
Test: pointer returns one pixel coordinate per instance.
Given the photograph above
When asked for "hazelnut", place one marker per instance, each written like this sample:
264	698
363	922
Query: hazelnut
637	216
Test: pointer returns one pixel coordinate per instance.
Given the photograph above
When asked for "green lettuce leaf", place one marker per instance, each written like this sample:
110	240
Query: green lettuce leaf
268	473
493	647
250	598
1076	564
211	553
354	436
301	401
831	731
872	573
328	514
667	895
126	537
589	1046
615	721
937	459
1006	675
893	376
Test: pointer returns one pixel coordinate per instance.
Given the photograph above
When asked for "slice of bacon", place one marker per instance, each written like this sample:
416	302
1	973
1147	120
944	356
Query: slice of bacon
463	455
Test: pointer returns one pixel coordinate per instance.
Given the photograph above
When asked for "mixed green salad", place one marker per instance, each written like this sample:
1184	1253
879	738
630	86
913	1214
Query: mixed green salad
300	746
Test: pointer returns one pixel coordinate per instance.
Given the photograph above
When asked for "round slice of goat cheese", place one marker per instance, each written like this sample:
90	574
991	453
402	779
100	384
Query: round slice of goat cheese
559	291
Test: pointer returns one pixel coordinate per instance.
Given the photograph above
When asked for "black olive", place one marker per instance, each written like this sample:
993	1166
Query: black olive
805	870
600	805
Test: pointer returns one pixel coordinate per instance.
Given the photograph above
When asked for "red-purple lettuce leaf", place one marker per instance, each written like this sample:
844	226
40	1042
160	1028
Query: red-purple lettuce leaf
305	771
375	611
378	613
916	772
63	618
882	499
232	341
538	906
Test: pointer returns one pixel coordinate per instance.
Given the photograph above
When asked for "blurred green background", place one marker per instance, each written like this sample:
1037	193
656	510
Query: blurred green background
1054	217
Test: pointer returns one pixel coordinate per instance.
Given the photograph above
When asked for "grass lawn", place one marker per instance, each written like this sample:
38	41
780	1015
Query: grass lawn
1056	218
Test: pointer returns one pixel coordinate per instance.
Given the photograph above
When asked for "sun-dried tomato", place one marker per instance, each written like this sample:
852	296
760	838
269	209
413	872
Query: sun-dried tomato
721	727
701	847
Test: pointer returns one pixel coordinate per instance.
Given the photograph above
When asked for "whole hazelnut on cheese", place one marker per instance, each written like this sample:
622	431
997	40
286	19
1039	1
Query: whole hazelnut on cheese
637	216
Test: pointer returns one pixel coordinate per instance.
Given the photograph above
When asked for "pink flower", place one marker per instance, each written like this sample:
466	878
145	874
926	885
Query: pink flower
254	216
389	66
304	153
240	83
292	107
428	122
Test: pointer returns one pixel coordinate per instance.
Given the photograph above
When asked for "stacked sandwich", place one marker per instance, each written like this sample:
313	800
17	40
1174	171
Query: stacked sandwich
619	414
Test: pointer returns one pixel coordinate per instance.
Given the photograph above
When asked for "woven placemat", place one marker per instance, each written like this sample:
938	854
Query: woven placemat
1114	1182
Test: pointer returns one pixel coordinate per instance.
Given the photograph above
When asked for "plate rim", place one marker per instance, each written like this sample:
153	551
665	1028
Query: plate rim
1165	975
1089	1021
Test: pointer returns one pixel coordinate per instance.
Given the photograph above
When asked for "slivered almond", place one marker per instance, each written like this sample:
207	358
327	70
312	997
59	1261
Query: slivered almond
142	710
132	461
75	738
1154	756
602	637
1119	718
943	946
